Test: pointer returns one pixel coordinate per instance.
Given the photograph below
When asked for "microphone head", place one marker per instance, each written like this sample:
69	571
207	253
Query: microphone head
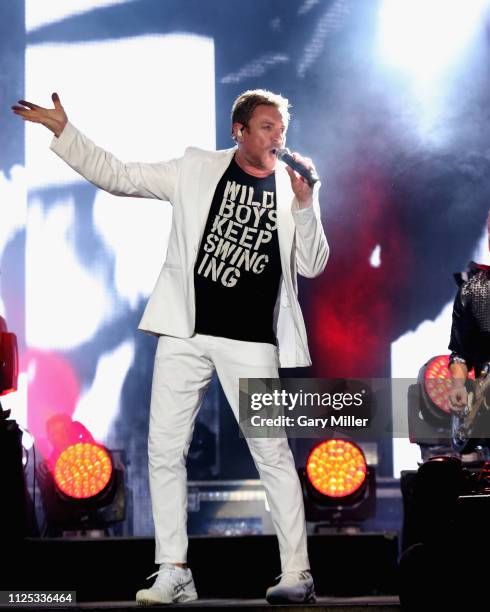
281	153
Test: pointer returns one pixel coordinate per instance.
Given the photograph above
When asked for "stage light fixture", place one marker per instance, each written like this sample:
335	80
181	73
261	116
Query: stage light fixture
437	383
336	468
83	470
339	488
429	413
14	521
82	482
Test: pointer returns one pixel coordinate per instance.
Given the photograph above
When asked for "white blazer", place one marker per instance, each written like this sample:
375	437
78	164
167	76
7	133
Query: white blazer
189	184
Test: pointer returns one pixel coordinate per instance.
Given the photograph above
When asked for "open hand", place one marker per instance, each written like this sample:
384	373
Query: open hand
54	119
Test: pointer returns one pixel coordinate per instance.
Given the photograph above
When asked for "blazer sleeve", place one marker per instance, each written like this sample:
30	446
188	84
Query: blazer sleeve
312	248
104	170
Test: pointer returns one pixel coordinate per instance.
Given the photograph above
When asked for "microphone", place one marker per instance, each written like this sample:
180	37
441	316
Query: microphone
310	175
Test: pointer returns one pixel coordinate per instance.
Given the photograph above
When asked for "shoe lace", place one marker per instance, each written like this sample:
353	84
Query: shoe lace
300	575
166	569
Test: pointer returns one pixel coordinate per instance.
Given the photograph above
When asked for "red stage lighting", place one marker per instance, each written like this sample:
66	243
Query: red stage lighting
339	488
336	468
84	492
83	470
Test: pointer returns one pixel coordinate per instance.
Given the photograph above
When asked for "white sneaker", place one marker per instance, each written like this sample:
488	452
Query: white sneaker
294	587
173	585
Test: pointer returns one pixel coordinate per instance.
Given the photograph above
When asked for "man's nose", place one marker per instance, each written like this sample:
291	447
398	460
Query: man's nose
278	138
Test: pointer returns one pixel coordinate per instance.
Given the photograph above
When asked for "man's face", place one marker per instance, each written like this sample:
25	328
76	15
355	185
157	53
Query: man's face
265	132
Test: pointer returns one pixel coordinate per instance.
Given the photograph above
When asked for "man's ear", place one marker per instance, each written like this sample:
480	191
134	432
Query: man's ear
238	131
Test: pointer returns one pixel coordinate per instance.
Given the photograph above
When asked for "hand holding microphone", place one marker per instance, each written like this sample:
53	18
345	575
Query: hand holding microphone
308	173
302	185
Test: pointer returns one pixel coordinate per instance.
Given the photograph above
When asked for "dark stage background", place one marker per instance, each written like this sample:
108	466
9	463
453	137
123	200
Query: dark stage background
391	101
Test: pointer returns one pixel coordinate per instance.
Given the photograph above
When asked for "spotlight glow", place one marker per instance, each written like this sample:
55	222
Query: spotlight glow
424	50
424	37
83	470
336	468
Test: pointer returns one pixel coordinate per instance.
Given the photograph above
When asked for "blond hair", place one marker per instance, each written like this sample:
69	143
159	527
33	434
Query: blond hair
244	106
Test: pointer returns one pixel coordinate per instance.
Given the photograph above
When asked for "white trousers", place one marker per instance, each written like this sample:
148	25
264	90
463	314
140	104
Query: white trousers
182	373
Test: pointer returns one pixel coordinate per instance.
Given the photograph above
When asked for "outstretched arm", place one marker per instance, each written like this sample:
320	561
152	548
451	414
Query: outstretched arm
104	170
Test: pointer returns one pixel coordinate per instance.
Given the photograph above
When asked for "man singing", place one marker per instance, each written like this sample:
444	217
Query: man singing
226	300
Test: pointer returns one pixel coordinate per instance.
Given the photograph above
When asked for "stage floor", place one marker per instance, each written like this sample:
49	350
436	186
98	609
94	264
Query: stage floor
336	604
229	572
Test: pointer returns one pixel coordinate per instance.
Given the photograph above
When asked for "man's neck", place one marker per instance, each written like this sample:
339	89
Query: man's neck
248	166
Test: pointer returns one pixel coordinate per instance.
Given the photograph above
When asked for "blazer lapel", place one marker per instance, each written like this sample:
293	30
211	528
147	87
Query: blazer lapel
211	172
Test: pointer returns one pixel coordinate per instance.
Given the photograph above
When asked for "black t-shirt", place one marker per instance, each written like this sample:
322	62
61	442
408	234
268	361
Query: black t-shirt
238	268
